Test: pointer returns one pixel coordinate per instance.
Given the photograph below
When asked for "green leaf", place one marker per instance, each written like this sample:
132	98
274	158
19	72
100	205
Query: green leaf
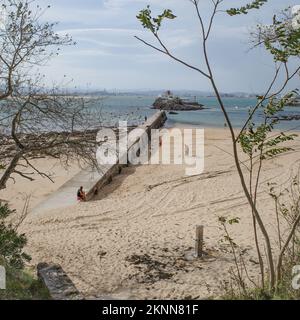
245	9
154	23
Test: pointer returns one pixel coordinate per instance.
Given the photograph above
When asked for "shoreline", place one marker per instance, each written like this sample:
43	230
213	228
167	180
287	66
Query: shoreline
195	126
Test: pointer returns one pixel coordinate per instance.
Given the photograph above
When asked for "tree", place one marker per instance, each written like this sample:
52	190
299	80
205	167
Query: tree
283	43
35	120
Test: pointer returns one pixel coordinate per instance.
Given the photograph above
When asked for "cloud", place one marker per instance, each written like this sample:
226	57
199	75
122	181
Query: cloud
118	38
120	4
98	30
108	55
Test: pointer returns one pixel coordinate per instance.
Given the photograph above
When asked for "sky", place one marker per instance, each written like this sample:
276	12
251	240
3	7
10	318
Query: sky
107	56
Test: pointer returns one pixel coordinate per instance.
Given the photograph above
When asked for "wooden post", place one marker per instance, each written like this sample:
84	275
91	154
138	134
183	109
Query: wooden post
199	241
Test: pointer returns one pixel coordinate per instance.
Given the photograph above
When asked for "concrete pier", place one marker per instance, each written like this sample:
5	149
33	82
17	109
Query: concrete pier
93	179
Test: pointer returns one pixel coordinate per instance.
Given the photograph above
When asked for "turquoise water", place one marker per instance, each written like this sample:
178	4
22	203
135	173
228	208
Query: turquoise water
134	109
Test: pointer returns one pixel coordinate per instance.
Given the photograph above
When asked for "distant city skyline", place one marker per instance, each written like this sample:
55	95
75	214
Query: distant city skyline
145	91
107	56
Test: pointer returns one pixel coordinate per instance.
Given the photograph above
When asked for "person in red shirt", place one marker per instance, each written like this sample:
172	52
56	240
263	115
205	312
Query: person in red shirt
81	194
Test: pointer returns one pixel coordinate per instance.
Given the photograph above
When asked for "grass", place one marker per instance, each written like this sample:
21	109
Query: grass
284	292
22	285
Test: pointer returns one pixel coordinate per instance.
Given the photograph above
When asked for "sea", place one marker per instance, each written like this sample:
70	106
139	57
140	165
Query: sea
134	109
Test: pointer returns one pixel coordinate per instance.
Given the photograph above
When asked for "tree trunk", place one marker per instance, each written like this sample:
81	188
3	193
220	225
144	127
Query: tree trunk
9	170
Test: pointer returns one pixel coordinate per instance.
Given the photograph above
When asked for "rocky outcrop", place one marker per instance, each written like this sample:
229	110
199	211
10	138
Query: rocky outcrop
287	117
57	282
176	104
295	103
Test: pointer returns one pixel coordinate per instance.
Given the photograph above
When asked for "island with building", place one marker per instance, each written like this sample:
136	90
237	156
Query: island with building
170	102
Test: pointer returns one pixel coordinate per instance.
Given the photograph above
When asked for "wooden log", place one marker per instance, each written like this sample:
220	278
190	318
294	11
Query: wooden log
199	241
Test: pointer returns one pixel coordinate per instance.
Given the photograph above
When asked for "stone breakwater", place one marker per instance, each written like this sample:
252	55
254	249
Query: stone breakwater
155	122
57	282
93	180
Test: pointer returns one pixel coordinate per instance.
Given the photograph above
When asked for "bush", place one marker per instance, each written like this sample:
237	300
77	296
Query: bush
22	285
11	243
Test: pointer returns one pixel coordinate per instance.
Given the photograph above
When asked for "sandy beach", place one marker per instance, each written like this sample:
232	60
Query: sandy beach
131	242
19	189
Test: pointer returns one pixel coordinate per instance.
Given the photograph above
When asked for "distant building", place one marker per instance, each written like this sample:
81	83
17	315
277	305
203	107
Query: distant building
168	94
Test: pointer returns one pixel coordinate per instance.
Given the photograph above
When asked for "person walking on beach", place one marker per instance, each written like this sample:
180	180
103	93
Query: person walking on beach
81	194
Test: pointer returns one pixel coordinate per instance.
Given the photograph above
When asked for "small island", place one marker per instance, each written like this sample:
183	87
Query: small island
169	102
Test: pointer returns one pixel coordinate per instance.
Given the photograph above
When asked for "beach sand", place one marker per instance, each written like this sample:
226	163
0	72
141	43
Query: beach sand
19	189
131	242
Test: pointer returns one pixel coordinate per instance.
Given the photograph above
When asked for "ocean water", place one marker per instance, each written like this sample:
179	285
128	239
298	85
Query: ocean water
134	109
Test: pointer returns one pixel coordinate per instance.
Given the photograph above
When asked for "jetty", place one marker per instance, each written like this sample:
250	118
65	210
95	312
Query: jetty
94	179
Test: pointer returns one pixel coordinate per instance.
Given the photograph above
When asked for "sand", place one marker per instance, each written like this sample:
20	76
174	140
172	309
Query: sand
19	189
131	242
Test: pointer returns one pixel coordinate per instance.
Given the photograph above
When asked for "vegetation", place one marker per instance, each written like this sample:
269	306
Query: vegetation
11	243
258	141
35	122
20	283
287	208
23	285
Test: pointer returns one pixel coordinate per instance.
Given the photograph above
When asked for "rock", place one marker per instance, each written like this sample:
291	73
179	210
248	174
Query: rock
288	117
175	104
294	102
57	282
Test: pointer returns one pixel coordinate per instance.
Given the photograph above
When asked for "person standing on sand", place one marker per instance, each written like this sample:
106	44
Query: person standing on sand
81	194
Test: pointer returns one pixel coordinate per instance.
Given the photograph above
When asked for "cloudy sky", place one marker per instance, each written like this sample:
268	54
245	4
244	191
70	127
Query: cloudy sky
108	56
